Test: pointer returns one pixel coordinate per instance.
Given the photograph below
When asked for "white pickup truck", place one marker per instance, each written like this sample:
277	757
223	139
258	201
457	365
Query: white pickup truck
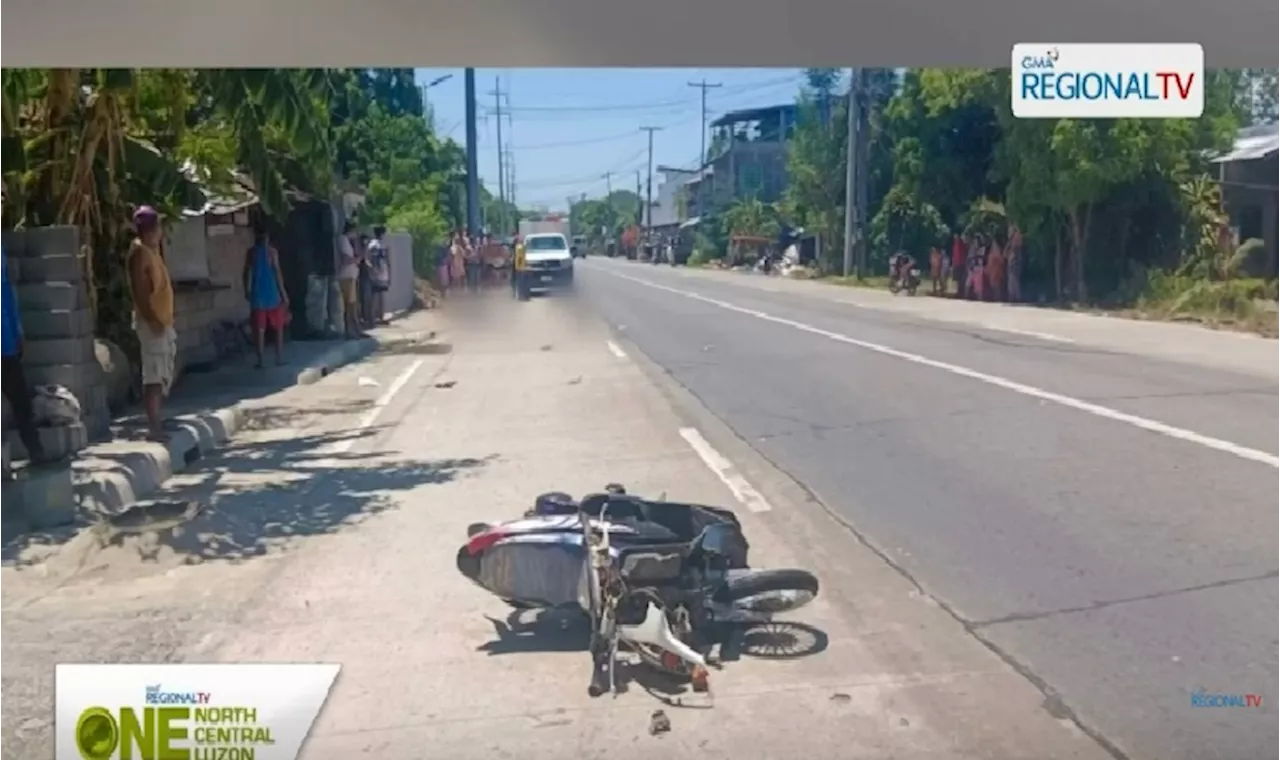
548	262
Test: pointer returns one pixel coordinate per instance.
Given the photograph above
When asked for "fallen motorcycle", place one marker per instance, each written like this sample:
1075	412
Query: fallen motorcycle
668	581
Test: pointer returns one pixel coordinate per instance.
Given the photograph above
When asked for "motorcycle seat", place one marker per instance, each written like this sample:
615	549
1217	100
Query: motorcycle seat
652	563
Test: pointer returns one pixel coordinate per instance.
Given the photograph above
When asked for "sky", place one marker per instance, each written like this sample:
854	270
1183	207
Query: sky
568	127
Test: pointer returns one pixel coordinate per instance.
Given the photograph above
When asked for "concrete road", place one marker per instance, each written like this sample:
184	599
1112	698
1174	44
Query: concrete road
1088	497
329	533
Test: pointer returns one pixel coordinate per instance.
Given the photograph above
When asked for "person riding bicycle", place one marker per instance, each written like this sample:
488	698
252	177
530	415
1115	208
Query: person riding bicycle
900	266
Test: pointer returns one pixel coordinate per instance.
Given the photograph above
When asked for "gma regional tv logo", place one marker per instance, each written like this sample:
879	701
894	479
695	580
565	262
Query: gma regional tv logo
1107	81
187	712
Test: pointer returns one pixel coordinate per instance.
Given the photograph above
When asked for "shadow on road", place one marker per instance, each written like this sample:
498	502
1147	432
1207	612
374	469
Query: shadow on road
253	499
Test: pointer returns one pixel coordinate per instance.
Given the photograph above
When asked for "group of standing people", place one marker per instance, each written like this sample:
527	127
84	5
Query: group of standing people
467	263
364	276
982	268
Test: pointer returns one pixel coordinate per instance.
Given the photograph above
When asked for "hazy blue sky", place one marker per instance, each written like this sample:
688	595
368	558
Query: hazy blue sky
570	126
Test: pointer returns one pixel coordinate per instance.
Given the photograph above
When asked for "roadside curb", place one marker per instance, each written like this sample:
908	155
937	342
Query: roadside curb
95	488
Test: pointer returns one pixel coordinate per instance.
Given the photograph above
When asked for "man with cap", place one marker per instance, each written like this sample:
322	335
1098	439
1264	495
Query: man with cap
152	291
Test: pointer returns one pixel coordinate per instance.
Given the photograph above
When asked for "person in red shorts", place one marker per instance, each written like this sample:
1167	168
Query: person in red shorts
264	287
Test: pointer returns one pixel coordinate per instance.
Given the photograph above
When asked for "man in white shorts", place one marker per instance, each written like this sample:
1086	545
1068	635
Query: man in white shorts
152	291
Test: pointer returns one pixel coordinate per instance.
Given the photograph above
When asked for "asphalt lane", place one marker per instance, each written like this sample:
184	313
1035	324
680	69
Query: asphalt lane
1122	567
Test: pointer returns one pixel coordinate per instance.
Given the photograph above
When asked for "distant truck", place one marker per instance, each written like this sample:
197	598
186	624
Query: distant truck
544	226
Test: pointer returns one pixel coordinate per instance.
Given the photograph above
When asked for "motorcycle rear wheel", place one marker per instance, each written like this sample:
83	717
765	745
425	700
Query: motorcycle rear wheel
771	591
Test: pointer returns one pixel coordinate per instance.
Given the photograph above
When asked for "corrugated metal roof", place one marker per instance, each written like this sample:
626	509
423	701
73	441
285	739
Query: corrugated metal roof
755	114
1252	143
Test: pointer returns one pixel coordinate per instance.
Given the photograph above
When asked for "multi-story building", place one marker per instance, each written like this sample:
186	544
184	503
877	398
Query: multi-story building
748	159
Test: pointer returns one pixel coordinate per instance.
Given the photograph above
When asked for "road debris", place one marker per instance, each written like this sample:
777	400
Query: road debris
659	723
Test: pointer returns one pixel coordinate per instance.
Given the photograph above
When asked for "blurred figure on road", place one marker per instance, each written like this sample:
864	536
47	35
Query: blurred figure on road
937	271
457	260
364	289
995	271
379	274
519	274
349	280
1013	263
471	264
443	253
959	251
264	287
976	284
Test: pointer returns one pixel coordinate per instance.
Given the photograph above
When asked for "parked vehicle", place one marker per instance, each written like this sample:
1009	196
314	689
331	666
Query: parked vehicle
667	580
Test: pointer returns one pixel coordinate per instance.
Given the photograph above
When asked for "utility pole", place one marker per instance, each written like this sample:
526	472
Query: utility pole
473	171
704	85
648	193
502	172
639	194
851	228
608	203
511	178
862	145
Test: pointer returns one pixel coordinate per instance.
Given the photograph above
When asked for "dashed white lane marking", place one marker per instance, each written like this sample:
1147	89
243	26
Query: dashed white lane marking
371	416
616	350
1181	434
724	469
1028	333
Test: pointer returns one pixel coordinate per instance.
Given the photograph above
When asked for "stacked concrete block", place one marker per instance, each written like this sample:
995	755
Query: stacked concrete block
324	304
195	315
58	325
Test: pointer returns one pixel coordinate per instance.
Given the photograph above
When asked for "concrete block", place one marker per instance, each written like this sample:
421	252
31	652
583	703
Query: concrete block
60	323
67	267
15	245
47	296
59	442
74	377
45	497
45	351
53	241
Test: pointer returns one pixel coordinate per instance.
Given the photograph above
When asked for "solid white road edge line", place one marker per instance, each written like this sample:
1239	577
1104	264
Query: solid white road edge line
616	350
1181	434
724	469
371	416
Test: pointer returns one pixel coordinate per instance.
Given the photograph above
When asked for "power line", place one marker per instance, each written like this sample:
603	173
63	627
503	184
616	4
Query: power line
620	168
729	91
